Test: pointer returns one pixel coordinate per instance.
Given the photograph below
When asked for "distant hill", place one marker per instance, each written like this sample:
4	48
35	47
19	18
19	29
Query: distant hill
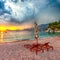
55	25
41	27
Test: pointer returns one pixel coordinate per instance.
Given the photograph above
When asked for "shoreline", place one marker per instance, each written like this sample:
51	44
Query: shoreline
55	31
55	37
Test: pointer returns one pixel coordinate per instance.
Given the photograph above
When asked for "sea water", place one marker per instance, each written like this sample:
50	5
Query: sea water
26	35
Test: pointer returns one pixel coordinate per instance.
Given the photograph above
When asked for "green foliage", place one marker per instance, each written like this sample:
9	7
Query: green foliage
55	25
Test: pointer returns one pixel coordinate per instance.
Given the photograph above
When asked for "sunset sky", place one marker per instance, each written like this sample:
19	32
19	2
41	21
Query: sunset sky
24	12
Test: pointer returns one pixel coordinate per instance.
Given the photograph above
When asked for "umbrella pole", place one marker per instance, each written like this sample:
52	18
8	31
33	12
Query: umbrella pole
36	31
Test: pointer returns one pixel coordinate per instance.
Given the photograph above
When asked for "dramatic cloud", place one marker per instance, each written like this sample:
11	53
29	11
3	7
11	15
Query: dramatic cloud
17	11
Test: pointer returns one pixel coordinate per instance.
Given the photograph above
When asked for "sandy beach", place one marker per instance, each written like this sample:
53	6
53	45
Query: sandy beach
17	51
